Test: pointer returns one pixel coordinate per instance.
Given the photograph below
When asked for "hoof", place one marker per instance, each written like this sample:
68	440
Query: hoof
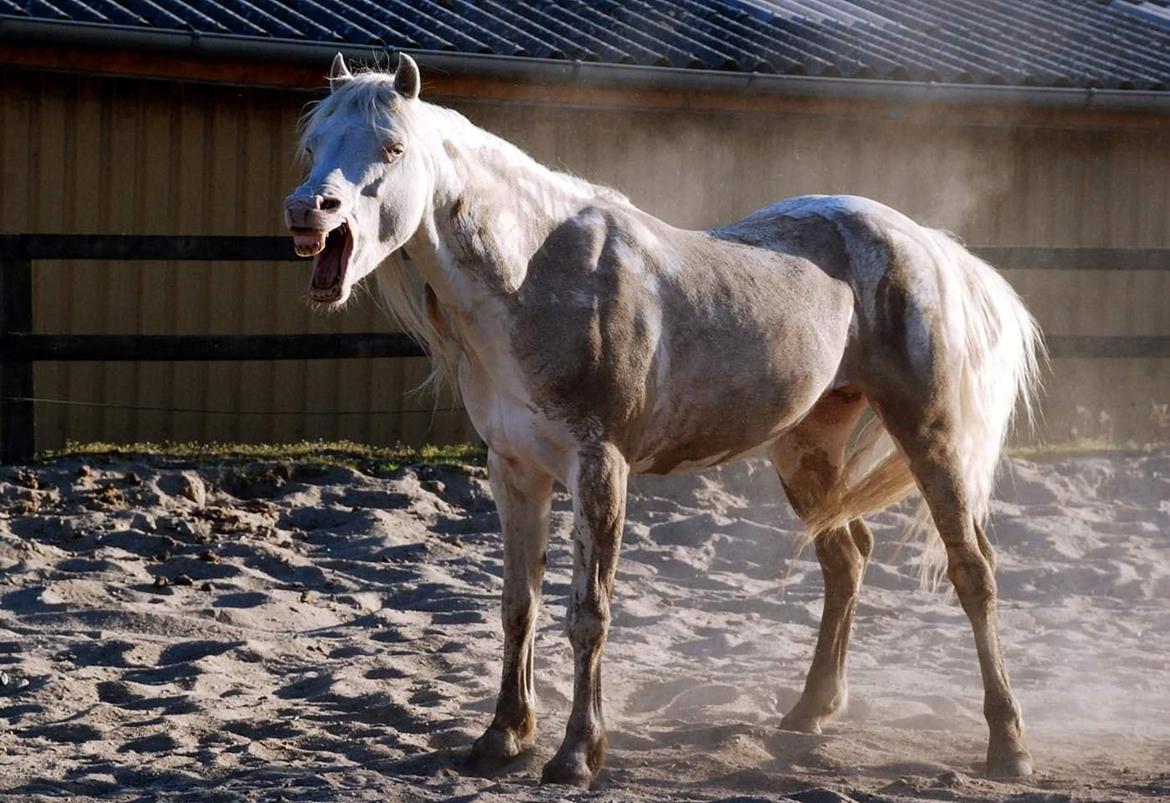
497	747
802	724
570	769
1011	765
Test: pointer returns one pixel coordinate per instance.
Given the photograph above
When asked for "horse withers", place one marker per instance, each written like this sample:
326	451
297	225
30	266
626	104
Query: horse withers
590	340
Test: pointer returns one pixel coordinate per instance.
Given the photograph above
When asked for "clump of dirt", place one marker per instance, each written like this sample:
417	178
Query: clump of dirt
107	496
224	520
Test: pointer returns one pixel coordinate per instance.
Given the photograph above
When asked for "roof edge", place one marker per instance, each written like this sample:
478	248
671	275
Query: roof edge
614	76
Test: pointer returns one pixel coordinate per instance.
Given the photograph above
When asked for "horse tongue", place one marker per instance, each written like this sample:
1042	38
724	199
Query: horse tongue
327	264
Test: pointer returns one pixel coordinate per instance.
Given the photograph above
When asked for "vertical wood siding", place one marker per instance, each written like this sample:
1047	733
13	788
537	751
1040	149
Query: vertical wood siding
81	154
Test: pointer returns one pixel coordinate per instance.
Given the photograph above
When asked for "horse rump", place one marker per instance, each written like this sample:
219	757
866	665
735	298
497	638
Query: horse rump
994	348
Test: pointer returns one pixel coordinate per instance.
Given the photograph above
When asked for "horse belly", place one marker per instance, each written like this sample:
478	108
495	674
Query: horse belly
712	403
689	434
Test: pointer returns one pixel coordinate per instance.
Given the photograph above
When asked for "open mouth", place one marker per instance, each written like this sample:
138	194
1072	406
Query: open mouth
331	252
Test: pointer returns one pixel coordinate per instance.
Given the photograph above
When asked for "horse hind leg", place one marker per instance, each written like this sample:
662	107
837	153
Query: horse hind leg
926	433
809	459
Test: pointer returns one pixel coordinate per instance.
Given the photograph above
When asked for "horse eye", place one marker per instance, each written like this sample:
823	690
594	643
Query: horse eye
394	150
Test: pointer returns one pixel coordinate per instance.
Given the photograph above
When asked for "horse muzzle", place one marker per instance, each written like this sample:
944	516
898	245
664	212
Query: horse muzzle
305	214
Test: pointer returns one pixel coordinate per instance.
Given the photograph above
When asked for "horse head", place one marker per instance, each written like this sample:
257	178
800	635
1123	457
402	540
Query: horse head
368	182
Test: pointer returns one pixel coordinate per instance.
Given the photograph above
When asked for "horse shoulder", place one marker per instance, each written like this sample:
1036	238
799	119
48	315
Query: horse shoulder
585	321
485	241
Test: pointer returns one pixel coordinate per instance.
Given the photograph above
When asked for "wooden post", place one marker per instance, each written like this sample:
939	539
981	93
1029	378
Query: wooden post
17	418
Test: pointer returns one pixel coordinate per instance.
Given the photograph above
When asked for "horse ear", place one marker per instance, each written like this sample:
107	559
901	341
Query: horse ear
406	77
338	73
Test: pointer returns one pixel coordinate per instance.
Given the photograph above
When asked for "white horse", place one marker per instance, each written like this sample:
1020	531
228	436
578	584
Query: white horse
589	340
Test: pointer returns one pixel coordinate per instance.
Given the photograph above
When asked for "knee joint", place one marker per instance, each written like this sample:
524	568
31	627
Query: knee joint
1000	709
971	575
862	538
587	624
517	612
842	563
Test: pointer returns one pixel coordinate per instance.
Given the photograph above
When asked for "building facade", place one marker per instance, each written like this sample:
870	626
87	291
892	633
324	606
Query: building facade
94	140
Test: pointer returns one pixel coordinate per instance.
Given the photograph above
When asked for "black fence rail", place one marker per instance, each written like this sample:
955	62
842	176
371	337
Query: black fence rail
21	346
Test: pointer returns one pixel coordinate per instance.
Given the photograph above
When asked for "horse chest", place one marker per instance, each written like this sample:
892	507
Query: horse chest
510	423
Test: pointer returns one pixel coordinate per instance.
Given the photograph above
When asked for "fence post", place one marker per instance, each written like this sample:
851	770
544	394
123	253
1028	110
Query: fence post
17	421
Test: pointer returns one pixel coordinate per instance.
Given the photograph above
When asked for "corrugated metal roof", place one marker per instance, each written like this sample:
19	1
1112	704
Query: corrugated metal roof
1116	44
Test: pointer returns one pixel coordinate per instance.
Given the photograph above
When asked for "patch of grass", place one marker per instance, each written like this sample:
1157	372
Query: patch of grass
362	456
384	460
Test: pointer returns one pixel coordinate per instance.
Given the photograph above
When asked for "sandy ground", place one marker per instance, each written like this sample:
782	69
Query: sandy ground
327	635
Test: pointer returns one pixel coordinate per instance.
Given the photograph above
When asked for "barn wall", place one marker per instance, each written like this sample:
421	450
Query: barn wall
87	154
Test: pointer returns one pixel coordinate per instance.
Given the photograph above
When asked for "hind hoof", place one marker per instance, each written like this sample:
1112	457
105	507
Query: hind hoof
1012	765
801	724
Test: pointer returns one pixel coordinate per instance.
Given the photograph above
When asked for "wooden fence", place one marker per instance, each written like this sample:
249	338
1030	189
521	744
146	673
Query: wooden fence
21	346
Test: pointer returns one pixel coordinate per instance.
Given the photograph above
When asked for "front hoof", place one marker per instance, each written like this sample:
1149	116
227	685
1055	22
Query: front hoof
1010	765
497	747
570	769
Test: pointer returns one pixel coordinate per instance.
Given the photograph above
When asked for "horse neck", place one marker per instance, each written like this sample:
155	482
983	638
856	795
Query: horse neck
492	170
493	206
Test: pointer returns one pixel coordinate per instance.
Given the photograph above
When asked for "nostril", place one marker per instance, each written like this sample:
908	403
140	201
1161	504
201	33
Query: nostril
330	204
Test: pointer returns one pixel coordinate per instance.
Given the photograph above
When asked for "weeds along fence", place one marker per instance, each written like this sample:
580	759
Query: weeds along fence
21	346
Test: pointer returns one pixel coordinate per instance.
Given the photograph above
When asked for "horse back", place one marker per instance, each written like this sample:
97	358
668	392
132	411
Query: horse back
646	336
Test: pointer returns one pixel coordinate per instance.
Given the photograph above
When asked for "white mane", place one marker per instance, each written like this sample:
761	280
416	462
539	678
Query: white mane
454	127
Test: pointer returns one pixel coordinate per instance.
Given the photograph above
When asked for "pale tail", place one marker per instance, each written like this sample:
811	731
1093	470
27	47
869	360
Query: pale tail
1000	349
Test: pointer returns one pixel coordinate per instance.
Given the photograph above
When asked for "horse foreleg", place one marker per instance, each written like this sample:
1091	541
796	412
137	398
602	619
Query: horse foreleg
523	496
599	500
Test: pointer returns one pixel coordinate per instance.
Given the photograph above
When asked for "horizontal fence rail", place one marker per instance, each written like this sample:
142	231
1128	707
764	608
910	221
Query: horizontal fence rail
21	346
192	348
1106	347
280	249
206	248
187	348
1011	257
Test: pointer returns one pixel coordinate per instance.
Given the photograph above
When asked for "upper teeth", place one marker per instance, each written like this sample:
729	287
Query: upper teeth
308	245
